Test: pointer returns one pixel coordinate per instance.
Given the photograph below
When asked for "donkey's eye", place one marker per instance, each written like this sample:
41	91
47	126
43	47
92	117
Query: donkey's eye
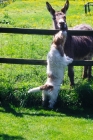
57	14
60	13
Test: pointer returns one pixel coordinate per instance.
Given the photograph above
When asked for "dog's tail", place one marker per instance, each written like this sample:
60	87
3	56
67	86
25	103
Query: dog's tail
34	90
43	87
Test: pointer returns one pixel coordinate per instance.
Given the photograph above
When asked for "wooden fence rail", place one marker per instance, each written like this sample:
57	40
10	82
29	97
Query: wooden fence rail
87	6
42	32
41	62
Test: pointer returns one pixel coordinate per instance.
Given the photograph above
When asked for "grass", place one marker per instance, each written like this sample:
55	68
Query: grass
70	119
34	124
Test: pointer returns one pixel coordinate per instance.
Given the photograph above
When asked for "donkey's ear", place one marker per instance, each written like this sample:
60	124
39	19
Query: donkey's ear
50	9
66	6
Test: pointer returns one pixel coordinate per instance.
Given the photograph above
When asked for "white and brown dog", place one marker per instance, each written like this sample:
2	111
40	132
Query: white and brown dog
56	63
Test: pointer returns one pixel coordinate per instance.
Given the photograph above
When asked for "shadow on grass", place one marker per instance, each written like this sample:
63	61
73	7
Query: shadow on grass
32	111
9	109
58	112
7	137
87	113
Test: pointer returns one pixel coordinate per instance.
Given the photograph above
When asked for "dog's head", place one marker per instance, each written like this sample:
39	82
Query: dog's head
60	38
59	41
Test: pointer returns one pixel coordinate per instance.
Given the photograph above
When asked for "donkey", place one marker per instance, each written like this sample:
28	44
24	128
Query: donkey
76	47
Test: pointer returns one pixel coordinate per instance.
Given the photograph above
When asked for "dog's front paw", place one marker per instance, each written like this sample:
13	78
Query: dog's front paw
68	58
71	60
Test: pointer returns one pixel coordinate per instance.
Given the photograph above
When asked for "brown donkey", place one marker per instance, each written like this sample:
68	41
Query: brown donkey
76	47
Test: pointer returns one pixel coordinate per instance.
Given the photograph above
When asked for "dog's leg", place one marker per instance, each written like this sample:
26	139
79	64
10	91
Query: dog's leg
53	97
45	98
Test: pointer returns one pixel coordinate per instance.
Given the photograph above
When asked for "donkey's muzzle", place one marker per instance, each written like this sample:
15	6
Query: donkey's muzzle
63	26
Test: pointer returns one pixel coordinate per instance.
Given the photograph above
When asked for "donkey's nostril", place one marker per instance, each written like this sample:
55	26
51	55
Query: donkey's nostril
61	21
62	25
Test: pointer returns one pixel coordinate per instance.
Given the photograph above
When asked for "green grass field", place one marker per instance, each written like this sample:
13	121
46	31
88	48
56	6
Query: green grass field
21	115
37	124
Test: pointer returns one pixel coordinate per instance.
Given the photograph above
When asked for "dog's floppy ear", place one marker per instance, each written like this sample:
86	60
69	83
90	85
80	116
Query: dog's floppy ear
58	38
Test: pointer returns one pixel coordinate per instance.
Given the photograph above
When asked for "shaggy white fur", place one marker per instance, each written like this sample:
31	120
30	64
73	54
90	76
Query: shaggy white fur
56	63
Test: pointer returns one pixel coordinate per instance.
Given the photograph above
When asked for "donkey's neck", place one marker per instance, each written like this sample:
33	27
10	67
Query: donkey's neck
67	46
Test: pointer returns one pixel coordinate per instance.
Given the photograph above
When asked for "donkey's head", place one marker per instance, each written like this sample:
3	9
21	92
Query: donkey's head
59	17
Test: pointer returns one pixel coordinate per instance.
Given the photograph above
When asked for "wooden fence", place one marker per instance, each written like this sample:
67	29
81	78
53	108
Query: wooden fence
42	32
2	1
87	7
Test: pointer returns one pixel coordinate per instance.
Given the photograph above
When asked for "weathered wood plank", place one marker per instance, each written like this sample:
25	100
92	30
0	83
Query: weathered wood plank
44	31
28	31
41	62
22	61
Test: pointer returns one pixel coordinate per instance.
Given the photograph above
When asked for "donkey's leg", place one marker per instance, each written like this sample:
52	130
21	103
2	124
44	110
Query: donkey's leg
85	72
90	68
87	69
71	75
89	72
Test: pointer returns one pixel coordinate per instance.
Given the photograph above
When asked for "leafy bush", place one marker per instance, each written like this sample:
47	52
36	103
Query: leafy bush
85	93
80	97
